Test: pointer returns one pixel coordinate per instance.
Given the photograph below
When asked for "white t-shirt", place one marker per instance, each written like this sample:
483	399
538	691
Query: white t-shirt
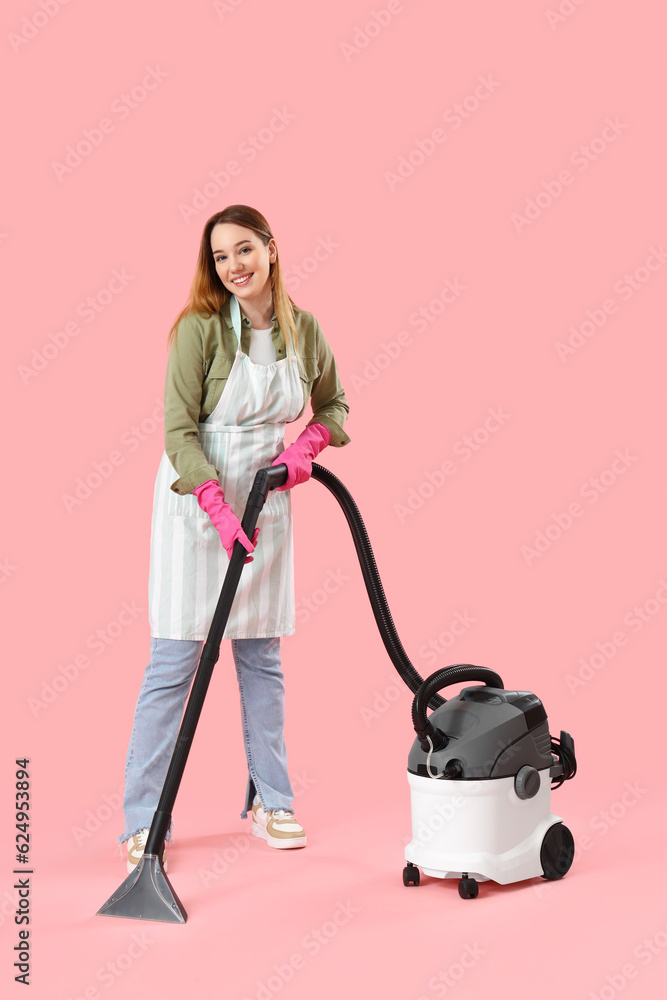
262	351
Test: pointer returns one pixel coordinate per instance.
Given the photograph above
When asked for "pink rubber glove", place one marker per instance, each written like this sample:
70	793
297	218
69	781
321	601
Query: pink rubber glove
212	500
298	457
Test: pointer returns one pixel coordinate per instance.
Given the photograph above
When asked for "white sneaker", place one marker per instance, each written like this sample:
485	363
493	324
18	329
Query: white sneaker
277	827
135	850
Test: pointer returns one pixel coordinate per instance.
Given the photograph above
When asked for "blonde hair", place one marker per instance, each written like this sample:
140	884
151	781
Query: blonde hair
208	294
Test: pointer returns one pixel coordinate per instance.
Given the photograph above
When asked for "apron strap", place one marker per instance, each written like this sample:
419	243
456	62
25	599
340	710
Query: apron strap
235	313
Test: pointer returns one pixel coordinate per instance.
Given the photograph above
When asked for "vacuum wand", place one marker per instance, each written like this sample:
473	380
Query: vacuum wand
147	893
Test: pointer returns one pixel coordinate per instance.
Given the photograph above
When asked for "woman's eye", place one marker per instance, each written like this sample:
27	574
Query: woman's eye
222	257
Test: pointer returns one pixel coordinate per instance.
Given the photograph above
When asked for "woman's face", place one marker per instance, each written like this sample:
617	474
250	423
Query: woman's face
242	260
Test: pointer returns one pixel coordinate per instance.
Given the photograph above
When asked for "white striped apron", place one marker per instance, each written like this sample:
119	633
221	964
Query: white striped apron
188	563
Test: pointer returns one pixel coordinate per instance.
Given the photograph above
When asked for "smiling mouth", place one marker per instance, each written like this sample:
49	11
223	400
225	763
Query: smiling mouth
243	280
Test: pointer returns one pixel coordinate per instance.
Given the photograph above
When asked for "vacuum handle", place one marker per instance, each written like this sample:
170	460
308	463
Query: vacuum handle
428	735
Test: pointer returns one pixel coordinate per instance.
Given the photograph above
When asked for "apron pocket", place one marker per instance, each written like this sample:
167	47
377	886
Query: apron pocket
277	504
184	506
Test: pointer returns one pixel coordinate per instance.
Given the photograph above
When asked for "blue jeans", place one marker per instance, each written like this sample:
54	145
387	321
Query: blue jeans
157	718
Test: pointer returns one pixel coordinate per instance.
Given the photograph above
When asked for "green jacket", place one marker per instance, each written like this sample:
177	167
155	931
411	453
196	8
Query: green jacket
201	358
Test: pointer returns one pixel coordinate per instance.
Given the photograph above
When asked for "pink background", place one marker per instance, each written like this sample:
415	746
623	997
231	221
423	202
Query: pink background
360	90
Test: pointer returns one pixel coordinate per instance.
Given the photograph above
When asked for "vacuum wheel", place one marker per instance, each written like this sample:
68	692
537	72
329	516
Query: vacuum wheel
468	888
557	852
410	874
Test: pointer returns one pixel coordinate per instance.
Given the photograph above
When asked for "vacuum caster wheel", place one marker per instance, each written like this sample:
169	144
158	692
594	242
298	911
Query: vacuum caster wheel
468	888
557	852
410	874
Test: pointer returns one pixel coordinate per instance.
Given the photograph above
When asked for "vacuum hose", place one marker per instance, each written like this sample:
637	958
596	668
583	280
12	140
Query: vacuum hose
430	737
374	588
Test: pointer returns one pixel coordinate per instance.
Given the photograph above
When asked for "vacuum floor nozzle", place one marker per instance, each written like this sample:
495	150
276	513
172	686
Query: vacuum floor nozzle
146	894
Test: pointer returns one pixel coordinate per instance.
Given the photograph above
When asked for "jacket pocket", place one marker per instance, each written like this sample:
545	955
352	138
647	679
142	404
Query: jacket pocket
309	369
218	366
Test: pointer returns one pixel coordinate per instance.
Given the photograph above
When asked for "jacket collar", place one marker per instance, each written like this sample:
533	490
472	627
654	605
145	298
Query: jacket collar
245	322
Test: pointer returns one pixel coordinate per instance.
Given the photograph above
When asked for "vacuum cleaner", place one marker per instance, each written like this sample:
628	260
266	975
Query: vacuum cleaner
480	770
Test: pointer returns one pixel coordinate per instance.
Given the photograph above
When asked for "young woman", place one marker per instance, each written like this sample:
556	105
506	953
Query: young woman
244	361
